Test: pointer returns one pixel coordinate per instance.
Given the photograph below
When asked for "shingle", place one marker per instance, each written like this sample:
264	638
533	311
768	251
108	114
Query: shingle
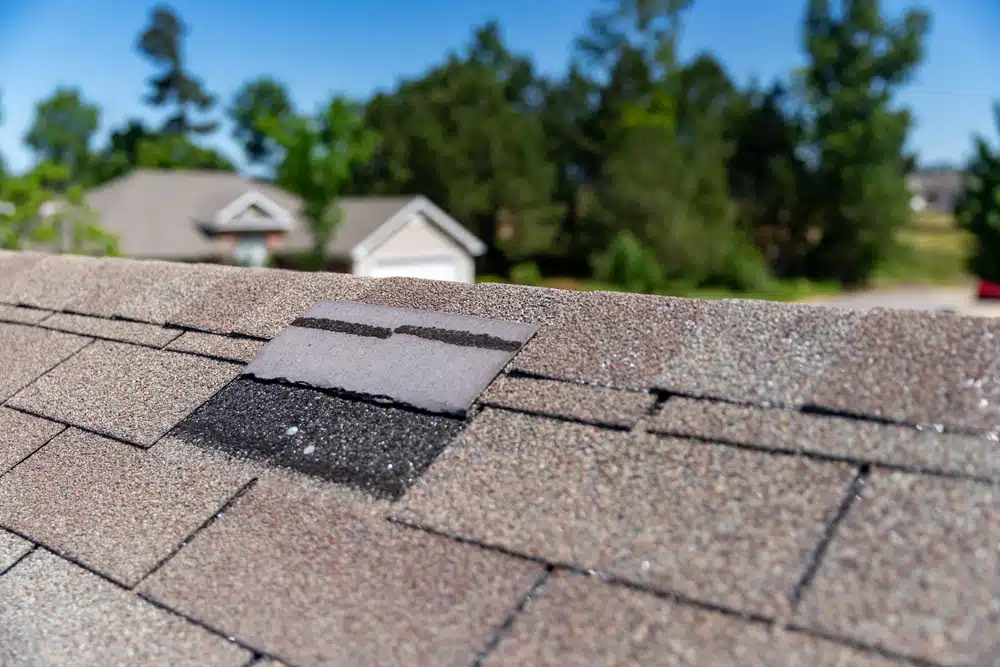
757	352
716	523
231	299
852	439
26	353
620	340
568	400
149	291
303	290
55	613
12	266
223	347
344	587
113	507
377	448
125	391
918	368
579	622
415	293
23	315
501	301
121	330
21	434
915	568
436	362
12	549
56	280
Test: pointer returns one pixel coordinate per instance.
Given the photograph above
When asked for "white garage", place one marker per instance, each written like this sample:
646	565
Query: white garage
440	268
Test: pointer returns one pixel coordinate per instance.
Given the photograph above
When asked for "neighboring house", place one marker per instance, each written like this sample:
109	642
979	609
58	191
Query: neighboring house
934	190
188	215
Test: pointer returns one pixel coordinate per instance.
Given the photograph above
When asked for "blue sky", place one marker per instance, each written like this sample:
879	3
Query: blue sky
319	47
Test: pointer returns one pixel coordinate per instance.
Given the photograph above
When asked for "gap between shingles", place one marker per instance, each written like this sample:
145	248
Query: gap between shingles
674	597
815	559
242	491
494	641
20	558
36	449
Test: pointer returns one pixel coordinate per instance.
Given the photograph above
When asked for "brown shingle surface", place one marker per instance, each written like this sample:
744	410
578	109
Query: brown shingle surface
852	439
12	548
229	300
343	586
533	305
120	330
27	353
570	401
22	315
223	347
578	622
21	434
918	368
302	291
415	293
915	568
122	509
727	526
757	352
13	265
55	613
55	280
619	340
126	391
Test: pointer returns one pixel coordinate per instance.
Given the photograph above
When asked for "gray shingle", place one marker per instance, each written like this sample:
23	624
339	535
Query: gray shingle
12	549
21	434
915	568
715	523
568	400
229	300
580	622
414	293
56	280
223	347
619	340
56	613
432	361
918	368
12	266
852	439
120	330
351	589
27	353
122	509
128	392
756	352
299	295
22	315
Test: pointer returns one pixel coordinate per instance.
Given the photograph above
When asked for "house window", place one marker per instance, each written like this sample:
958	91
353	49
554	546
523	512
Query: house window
251	250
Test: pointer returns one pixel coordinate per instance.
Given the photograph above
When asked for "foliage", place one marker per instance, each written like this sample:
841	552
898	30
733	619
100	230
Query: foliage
47	211
979	206
62	131
258	99
318	157
162	43
629	264
526	273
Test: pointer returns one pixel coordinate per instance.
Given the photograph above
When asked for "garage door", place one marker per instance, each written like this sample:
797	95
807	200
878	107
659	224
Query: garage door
431	269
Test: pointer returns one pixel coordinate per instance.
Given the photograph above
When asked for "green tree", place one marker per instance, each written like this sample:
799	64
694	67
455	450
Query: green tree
979	206
858	59
318	157
261	98
466	135
63	129
174	86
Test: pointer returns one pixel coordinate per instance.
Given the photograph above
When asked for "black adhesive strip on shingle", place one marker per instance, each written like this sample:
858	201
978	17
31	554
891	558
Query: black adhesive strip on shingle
340	326
438	362
462	338
379	449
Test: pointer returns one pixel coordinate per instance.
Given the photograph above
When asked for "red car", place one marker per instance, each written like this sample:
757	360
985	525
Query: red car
988	290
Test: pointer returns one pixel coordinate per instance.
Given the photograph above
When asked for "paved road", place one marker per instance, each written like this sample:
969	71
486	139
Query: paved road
963	300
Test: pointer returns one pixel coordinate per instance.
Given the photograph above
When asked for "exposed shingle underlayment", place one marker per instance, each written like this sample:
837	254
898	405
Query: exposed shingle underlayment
648	480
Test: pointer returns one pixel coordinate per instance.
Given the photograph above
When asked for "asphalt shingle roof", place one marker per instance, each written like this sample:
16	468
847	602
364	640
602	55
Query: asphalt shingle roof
649	480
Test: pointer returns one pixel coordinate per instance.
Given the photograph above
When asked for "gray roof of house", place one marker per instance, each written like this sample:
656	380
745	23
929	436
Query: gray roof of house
155	212
649	480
